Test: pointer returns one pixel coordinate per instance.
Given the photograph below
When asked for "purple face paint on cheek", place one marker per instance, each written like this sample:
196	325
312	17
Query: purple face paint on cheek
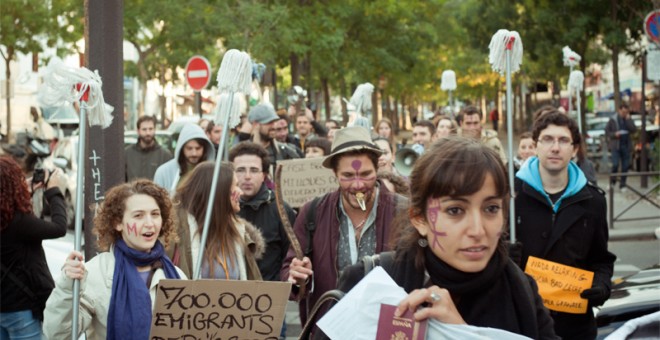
432	212
131	228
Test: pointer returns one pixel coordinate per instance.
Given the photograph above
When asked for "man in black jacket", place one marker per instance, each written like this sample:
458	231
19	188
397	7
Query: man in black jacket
258	205
562	218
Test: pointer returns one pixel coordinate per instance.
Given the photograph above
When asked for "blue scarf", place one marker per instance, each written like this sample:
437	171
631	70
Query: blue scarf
129	316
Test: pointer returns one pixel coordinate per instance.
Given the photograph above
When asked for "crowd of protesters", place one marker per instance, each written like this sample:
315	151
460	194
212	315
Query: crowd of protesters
446	218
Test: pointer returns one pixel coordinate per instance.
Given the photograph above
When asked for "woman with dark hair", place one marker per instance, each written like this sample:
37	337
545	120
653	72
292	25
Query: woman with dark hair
26	280
450	255
317	147
118	286
233	245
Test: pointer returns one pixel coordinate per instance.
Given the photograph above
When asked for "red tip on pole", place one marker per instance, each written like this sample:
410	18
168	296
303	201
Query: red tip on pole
85	96
509	44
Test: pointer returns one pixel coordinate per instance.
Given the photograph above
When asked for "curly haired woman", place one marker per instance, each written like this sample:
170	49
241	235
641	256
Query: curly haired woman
118	286
26	280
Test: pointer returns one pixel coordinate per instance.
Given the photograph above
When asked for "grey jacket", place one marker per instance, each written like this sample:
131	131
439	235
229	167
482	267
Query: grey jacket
142	163
168	174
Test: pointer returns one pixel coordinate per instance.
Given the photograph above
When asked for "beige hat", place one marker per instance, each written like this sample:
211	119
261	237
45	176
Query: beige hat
350	139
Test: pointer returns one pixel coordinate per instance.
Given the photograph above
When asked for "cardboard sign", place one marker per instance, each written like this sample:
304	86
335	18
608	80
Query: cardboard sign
219	310
560	285
304	179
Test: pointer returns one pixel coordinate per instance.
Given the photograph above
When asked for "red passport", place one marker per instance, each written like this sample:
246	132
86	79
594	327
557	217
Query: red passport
399	328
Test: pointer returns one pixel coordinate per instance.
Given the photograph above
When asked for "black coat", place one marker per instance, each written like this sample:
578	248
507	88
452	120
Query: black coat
536	323
261	211
24	261
576	235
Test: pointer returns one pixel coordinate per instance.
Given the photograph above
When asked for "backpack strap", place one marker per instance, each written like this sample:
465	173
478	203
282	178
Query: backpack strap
310	225
384	259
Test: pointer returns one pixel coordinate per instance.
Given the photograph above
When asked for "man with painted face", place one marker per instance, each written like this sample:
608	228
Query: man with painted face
350	223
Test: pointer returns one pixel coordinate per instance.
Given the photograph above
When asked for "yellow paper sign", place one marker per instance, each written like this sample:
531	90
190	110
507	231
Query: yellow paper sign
560	285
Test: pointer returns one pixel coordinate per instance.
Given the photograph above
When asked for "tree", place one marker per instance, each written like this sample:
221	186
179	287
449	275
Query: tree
28	26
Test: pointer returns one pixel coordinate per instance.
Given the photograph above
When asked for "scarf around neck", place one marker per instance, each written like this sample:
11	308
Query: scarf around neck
492	297
129	316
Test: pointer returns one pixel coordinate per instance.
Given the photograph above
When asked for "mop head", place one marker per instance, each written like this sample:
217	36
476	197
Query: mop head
234	79
502	41
448	81
576	81
570	58
64	85
361	98
228	104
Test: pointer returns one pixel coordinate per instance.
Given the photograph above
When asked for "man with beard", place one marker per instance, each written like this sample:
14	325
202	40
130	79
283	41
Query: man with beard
263	118
349	223
193	147
143	158
282	135
471	127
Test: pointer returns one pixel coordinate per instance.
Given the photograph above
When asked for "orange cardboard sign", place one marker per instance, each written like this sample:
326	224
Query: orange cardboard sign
560	285
219	309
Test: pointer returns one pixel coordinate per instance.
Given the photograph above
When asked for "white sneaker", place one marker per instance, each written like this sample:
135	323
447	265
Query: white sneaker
623	190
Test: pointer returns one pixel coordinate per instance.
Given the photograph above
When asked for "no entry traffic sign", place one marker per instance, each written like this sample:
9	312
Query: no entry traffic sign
652	26
198	72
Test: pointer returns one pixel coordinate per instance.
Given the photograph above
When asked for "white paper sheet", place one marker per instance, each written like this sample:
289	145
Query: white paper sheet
355	316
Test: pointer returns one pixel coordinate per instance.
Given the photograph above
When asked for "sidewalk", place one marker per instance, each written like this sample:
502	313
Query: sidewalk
630	229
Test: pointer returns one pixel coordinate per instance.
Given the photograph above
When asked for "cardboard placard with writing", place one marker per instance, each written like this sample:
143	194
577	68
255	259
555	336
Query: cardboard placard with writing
560	285
219	309
304	179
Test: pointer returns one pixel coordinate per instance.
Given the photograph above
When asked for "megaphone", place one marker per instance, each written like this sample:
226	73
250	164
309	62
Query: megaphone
406	157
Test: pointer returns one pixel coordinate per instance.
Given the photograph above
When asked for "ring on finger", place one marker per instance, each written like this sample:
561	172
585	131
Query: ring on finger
435	297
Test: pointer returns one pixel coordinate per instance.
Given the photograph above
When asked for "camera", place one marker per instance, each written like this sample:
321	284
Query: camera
39	175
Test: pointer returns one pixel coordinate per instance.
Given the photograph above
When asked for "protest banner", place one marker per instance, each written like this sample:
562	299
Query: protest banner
219	310
560	285
304	179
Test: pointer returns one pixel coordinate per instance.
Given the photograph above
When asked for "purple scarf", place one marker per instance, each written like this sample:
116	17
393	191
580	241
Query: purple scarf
129	316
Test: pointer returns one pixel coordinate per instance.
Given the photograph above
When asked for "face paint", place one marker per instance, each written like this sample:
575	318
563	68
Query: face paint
235	196
131	228
356	164
432	213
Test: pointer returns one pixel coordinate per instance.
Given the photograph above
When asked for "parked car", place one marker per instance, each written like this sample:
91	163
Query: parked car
164	137
595	129
633	296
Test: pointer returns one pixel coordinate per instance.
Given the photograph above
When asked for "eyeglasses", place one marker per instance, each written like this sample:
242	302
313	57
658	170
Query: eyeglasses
244	171
548	141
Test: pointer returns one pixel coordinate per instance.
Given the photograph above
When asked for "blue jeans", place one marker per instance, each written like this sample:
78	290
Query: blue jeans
620	155
19	325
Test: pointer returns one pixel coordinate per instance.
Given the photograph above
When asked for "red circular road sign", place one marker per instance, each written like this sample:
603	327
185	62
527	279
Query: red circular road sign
652	26
198	72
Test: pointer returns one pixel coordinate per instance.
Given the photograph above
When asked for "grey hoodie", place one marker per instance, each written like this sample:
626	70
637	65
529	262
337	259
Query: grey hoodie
167	175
